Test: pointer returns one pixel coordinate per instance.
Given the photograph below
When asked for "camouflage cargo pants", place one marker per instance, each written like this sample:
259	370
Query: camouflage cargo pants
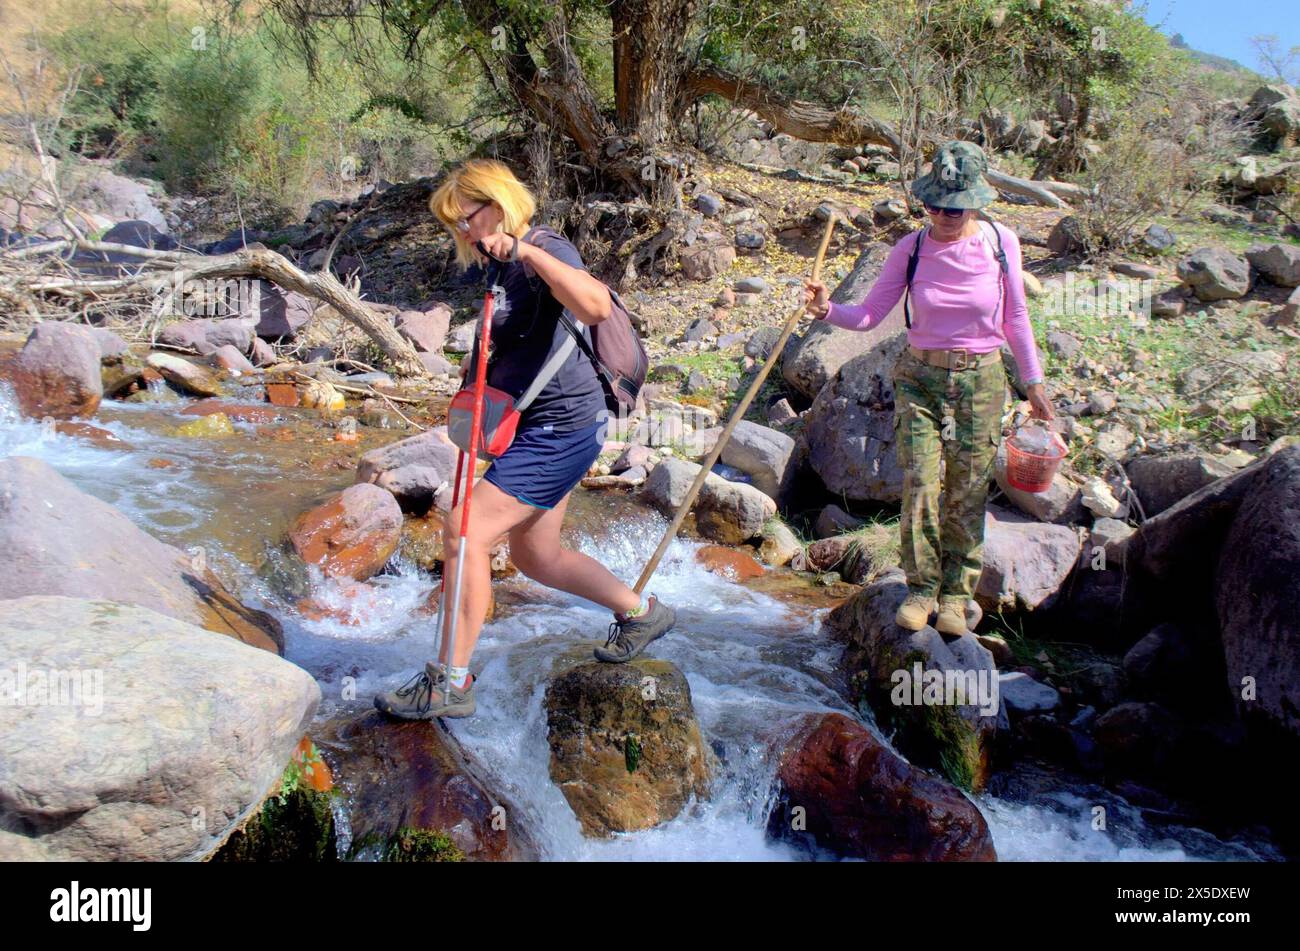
954	416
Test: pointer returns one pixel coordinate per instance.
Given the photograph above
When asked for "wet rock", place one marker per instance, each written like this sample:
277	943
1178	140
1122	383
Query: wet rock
813	359
954	737
1025	561
1161	481
60	540
413	776
57	372
415	470
780	545
61	799
851	427
731	512
352	535
768	456
212	425
186	375
732	564
626	749
1215	274
859	798
1139	739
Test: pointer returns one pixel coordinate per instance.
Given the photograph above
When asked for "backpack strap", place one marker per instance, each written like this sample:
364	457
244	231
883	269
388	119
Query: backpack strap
911	273
999	254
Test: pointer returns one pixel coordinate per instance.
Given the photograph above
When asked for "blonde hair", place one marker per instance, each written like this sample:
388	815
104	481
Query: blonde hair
481	180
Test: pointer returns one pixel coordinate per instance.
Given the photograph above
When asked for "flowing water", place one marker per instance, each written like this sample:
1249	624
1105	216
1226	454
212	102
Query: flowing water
754	661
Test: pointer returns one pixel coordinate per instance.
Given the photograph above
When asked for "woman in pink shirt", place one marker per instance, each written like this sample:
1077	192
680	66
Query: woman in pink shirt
966	298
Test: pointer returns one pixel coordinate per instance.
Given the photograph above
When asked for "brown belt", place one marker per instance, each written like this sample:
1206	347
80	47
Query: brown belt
955	359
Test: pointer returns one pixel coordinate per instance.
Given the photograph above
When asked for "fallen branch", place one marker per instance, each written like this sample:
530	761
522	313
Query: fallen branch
161	270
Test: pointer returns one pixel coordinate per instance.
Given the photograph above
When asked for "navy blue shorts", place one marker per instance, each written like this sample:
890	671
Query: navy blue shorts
541	467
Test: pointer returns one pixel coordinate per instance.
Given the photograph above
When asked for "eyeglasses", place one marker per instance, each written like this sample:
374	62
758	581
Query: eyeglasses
946	212
462	224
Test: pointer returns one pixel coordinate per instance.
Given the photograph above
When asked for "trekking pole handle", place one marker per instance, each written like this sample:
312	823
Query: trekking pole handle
736	415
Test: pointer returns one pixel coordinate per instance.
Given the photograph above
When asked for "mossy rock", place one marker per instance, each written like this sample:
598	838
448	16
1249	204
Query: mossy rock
421	845
295	825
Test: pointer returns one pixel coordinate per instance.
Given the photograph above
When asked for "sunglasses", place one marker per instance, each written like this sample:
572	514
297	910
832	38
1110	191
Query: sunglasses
462	224
946	212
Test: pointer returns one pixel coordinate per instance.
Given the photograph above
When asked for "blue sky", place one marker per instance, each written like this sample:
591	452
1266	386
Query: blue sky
1225	28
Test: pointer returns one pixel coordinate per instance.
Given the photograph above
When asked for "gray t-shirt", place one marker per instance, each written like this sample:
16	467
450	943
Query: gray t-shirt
525	332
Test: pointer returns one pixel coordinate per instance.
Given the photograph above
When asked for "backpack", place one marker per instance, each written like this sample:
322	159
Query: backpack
912	259
615	350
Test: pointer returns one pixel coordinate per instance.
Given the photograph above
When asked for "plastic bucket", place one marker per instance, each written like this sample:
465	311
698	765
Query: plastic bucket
1032	472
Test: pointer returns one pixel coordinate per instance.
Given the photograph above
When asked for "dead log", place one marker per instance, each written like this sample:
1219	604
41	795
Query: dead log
165	269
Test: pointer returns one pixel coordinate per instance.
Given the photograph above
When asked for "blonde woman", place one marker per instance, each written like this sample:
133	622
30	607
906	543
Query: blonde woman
524	492
967	297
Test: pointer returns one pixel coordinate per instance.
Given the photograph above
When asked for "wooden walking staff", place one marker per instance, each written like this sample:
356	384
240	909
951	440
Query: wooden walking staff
736	416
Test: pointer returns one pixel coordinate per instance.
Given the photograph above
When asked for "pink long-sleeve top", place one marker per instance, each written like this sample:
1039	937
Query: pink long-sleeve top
954	299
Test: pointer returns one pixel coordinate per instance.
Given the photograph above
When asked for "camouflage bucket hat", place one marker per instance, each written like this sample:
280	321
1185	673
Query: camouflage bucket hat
956	178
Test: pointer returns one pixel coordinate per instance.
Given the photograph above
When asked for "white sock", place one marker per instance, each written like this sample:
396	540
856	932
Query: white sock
459	675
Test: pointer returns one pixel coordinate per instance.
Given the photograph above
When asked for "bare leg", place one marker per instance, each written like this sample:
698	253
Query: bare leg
493	514
536	551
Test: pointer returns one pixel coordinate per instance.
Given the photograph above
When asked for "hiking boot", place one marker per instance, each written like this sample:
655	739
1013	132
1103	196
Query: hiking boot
914	613
952	616
628	637
421	697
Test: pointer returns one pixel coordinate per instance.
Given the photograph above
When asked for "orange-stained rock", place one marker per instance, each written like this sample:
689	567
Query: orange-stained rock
352	535
857	797
157	463
282	394
315	771
100	437
430	607
728	562
243	412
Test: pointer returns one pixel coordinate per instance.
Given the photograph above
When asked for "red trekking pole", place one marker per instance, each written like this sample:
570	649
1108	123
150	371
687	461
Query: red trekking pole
469	460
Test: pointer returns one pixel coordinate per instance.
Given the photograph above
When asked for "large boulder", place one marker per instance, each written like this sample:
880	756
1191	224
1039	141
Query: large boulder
1025	561
859	798
811	360
417	471
60	540
883	659
1161	481
766	454
731	512
352	535
411	778
851	429
666	486
57	372
1215	274
160	740
1257	594
426	330
626	749
1280	263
